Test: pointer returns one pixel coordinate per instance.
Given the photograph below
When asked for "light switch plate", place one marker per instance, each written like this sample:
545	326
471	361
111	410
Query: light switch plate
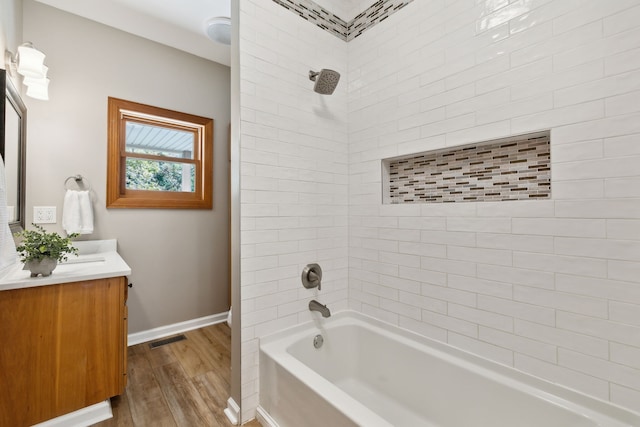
44	214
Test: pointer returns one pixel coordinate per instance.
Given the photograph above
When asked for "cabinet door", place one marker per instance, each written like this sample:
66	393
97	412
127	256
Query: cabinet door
62	348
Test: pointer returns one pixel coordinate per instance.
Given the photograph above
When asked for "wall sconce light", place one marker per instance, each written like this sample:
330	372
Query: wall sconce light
29	62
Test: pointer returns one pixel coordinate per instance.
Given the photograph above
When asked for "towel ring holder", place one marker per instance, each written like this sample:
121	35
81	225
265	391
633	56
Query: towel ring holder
80	180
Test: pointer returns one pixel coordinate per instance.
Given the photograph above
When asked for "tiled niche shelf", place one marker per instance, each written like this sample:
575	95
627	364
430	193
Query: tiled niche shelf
516	168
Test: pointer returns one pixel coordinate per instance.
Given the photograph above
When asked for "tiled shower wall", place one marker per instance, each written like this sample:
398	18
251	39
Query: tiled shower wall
551	287
294	176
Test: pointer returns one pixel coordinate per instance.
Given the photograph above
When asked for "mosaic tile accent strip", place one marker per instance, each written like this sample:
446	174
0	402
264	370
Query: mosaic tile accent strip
318	15
376	13
508	169
347	31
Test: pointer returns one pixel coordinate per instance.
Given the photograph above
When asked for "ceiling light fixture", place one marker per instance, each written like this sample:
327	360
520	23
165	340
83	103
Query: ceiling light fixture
219	29
29	63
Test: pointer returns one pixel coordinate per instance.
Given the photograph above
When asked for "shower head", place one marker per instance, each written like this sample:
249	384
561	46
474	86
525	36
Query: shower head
326	81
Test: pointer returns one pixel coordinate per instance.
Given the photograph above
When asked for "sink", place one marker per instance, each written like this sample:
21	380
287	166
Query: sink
83	258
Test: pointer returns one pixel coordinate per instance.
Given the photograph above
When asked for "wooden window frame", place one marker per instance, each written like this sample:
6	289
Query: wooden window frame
118	196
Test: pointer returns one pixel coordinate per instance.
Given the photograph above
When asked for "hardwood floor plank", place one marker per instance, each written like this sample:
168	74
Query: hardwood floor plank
187	404
213	389
182	384
149	406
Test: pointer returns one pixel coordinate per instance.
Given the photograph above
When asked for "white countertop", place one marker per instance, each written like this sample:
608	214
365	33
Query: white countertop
97	259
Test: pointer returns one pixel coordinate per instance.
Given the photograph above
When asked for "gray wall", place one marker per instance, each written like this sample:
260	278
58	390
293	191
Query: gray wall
179	258
10	27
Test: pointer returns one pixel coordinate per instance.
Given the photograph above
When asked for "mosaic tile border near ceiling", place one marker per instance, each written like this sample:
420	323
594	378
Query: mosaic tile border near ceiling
508	169
347	31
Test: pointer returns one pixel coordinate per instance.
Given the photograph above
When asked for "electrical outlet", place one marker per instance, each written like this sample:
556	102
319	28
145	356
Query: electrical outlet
44	214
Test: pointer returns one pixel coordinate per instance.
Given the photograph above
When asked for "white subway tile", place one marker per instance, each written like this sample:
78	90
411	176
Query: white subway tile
480	286
422	249
599	288
622	187
403	285
613	372
562	338
463	268
625	355
625	313
518	344
625	396
625	250
622	104
509	110
448	238
550	371
517	310
480	255
516	76
424	302
585	112
549	82
600	328
542	244
560	227
562	301
405	310
560	264
484	349
622	62
587	150
491	225
399	259
578	189
423	223
449	294
594	169
617	208
481	317
623	270
595	129
519	208
517	276
448	210
424	276
623	229
423	329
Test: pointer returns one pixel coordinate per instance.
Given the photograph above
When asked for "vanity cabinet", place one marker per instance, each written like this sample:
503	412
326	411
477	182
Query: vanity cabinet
62	348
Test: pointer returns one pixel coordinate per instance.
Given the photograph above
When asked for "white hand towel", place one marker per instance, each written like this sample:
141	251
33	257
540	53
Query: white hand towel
86	212
77	212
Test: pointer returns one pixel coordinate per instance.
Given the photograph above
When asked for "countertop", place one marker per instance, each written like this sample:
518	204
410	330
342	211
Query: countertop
97	259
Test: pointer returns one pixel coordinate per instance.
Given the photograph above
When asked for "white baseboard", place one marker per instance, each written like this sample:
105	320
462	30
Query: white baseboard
233	411
176	328
264	418
83	417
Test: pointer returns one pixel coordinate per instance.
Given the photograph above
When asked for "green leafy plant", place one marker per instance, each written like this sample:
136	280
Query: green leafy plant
38	244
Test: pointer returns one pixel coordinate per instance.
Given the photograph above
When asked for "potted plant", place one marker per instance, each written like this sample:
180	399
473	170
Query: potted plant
40	251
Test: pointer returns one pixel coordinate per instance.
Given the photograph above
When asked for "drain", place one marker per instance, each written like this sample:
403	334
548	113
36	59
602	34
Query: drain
318	341
166	341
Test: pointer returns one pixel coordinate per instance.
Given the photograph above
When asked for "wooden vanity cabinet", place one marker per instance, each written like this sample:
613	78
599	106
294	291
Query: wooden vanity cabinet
62	348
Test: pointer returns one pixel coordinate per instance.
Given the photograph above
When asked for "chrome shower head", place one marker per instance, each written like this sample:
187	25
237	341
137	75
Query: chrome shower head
326	81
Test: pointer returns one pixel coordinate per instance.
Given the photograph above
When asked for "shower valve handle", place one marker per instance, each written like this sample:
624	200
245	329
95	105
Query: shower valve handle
312	276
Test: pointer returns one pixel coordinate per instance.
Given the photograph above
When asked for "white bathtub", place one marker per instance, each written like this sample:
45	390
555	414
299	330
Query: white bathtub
370	374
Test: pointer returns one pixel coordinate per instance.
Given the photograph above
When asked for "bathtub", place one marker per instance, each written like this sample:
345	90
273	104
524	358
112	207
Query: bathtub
369	373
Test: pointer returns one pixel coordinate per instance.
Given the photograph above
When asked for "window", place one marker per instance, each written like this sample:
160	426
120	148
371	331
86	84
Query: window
158	158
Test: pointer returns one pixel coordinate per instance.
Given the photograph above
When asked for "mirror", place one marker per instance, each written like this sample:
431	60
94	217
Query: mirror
13	126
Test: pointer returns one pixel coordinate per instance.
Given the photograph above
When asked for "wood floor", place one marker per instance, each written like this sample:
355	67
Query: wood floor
182	384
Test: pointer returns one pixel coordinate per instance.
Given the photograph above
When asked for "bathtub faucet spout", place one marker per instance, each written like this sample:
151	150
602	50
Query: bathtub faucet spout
322	309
